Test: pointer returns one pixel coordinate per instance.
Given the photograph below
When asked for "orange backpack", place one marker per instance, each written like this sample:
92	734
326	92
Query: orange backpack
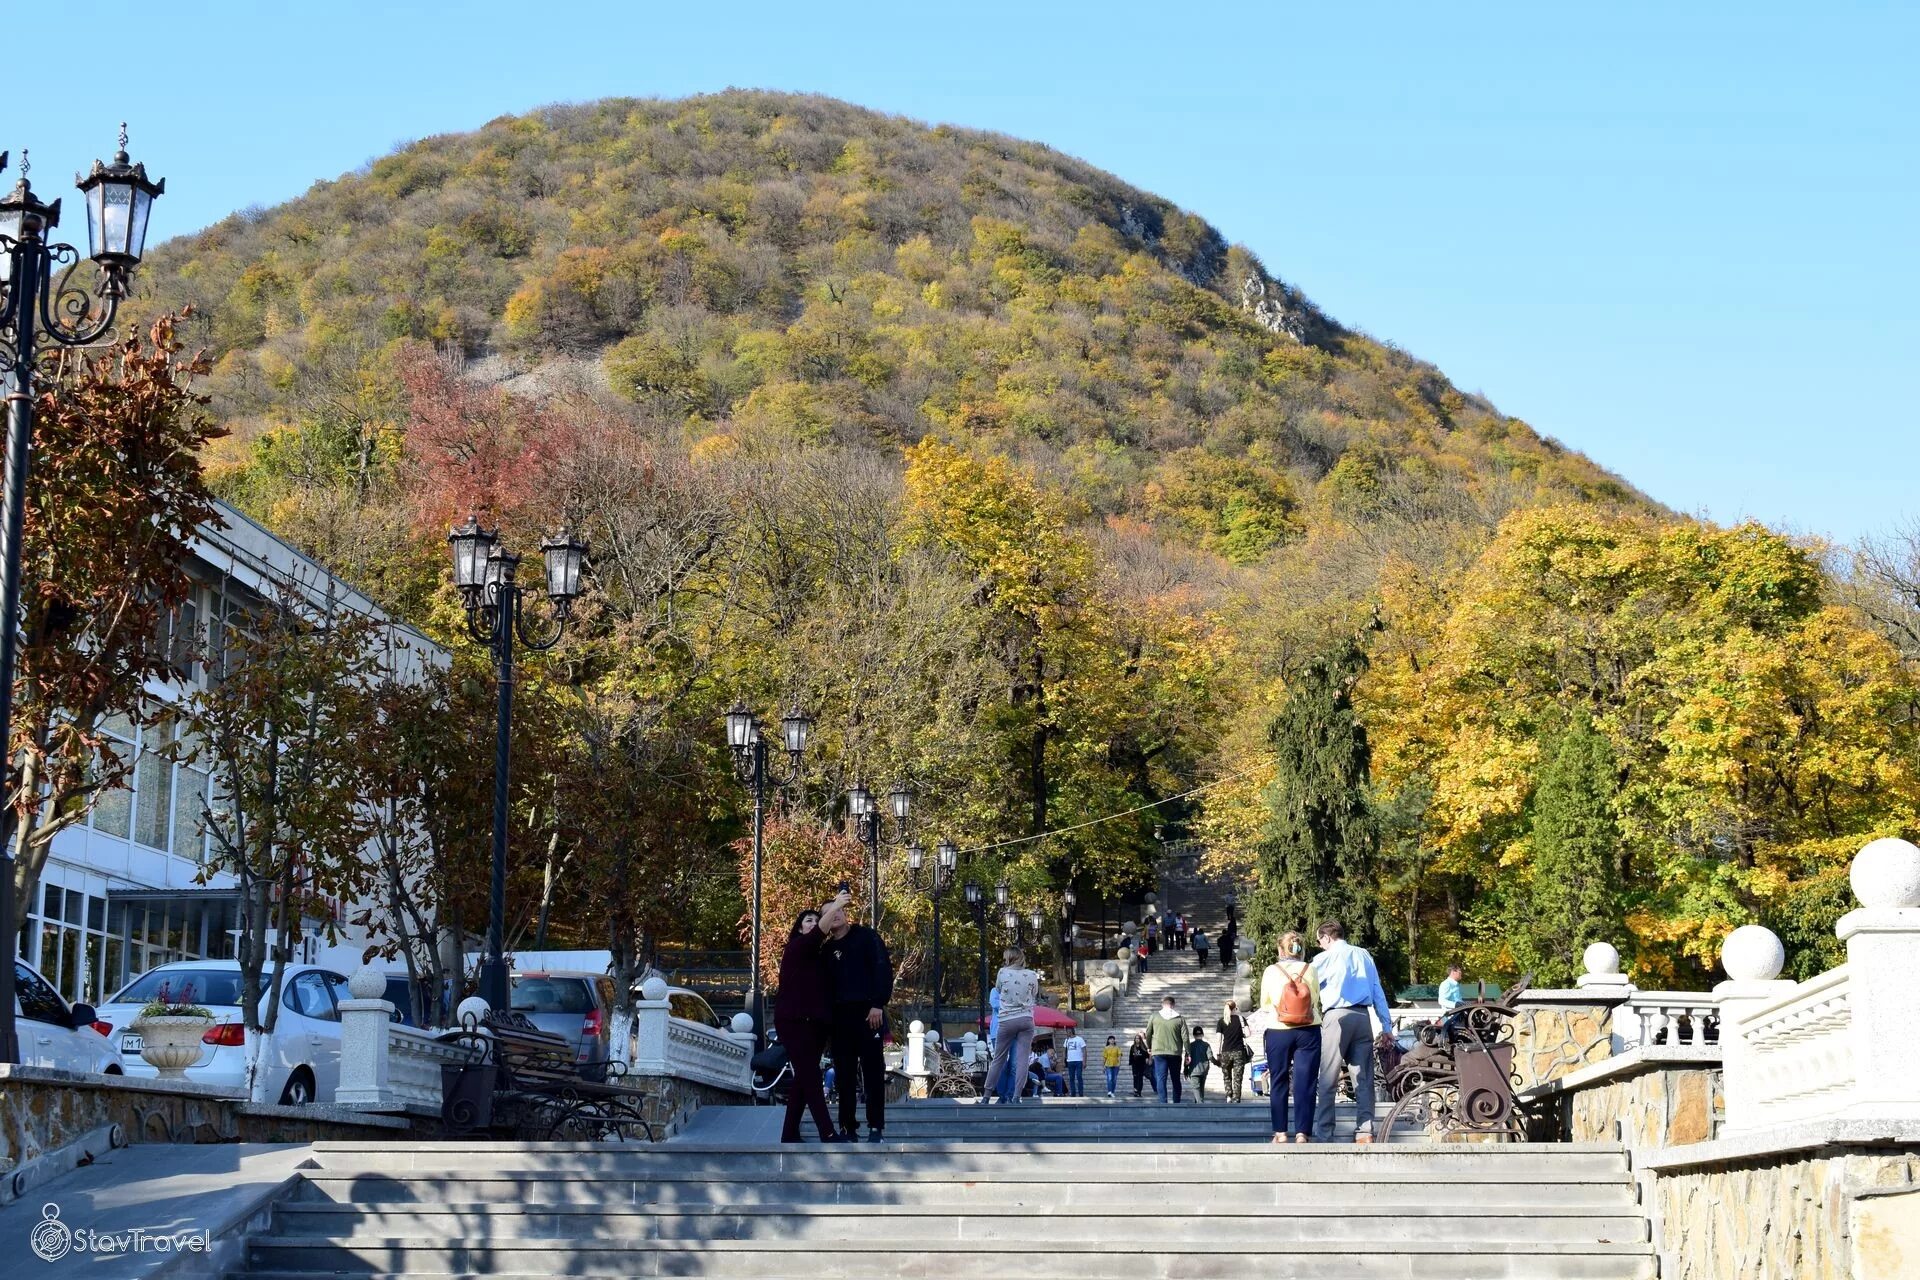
1294	1008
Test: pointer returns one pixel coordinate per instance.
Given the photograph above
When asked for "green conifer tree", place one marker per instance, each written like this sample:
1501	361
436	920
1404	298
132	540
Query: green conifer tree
1573	893
1316	859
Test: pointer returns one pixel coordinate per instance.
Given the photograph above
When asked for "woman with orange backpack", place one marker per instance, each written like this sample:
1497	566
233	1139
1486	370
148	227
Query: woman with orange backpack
1290	1001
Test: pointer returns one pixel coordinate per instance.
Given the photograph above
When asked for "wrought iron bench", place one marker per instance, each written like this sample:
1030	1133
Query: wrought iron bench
1458	1077
948	1076
525	1083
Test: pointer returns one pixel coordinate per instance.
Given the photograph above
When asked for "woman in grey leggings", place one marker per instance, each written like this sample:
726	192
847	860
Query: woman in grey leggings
1019	988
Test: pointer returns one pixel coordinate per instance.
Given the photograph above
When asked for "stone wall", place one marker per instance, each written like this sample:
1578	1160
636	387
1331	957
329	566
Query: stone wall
1789	1217
1552	1037
672	1101
42	1111
1648	1098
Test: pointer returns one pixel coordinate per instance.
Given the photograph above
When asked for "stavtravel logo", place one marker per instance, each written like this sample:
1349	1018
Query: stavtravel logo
53	1239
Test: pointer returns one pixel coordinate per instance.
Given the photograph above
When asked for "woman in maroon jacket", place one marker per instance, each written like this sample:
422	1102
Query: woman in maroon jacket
800	1016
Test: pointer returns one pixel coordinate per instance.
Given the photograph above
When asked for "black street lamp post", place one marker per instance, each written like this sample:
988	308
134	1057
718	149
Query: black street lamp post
866	813
977	908
946	856
484	571
751	762
1069	934
34	304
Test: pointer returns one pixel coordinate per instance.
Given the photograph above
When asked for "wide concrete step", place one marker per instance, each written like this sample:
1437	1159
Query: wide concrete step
1148	1131
830	1225
872	1255
1065	1114
1065	1160
1120	1196
1062	1110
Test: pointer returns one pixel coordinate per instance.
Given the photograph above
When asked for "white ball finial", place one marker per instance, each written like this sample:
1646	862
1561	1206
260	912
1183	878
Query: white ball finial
1602	959
742	1024
1752	953
367	983
473	1009
654	988
916	1028
1887	874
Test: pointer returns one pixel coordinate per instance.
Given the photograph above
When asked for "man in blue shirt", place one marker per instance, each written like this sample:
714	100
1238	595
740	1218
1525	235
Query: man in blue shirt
1452	992
1349	987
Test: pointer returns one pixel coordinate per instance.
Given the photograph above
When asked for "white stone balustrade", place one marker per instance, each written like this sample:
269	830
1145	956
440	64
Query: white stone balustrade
670	1046
1794	1060
385	1066
1841	1045
1663	1017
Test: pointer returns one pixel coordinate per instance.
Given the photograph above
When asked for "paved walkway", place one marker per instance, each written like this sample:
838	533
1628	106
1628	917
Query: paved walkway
156	1189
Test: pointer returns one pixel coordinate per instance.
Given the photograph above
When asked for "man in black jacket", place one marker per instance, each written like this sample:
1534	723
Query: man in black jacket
860	973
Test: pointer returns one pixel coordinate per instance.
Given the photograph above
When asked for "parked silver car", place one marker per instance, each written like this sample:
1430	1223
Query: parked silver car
570	1003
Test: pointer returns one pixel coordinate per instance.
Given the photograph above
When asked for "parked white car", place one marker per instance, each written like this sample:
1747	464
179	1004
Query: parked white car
301	1062
55	1034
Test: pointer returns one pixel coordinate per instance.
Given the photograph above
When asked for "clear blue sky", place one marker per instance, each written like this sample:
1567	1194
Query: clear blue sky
1679	237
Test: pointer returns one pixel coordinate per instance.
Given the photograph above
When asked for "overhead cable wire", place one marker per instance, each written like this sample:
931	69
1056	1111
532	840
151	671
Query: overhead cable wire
1124	813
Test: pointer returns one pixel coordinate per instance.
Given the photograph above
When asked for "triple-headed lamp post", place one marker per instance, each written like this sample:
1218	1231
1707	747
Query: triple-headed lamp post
484	572
752	762
35	305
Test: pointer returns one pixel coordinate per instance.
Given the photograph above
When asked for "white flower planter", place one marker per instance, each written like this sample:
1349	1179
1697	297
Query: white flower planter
170	1044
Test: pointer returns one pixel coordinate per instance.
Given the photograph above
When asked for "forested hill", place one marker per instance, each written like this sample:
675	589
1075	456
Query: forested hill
1040	495
783	268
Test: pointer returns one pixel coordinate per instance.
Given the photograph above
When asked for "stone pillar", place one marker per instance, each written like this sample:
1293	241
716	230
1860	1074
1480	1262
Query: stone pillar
741	1033
1752	958
650	1028
970	1048
913	1061
363	1043
1883	975
1606	985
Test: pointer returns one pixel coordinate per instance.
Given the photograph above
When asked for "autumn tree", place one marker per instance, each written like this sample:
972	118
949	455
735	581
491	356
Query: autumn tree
802	865
115	498
289	730
430	809
1759	733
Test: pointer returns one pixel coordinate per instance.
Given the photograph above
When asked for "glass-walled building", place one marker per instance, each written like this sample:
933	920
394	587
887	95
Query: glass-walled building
130	888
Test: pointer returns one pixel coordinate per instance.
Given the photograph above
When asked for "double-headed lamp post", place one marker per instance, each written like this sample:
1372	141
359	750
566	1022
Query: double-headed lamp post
946	856
484	572
865	812
35	305
977	908
751	761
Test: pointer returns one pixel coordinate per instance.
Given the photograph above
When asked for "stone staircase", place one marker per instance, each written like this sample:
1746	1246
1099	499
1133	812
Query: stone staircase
1200	991
959	1210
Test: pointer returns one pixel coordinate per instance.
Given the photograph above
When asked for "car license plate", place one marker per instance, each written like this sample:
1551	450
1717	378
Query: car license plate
131	1044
